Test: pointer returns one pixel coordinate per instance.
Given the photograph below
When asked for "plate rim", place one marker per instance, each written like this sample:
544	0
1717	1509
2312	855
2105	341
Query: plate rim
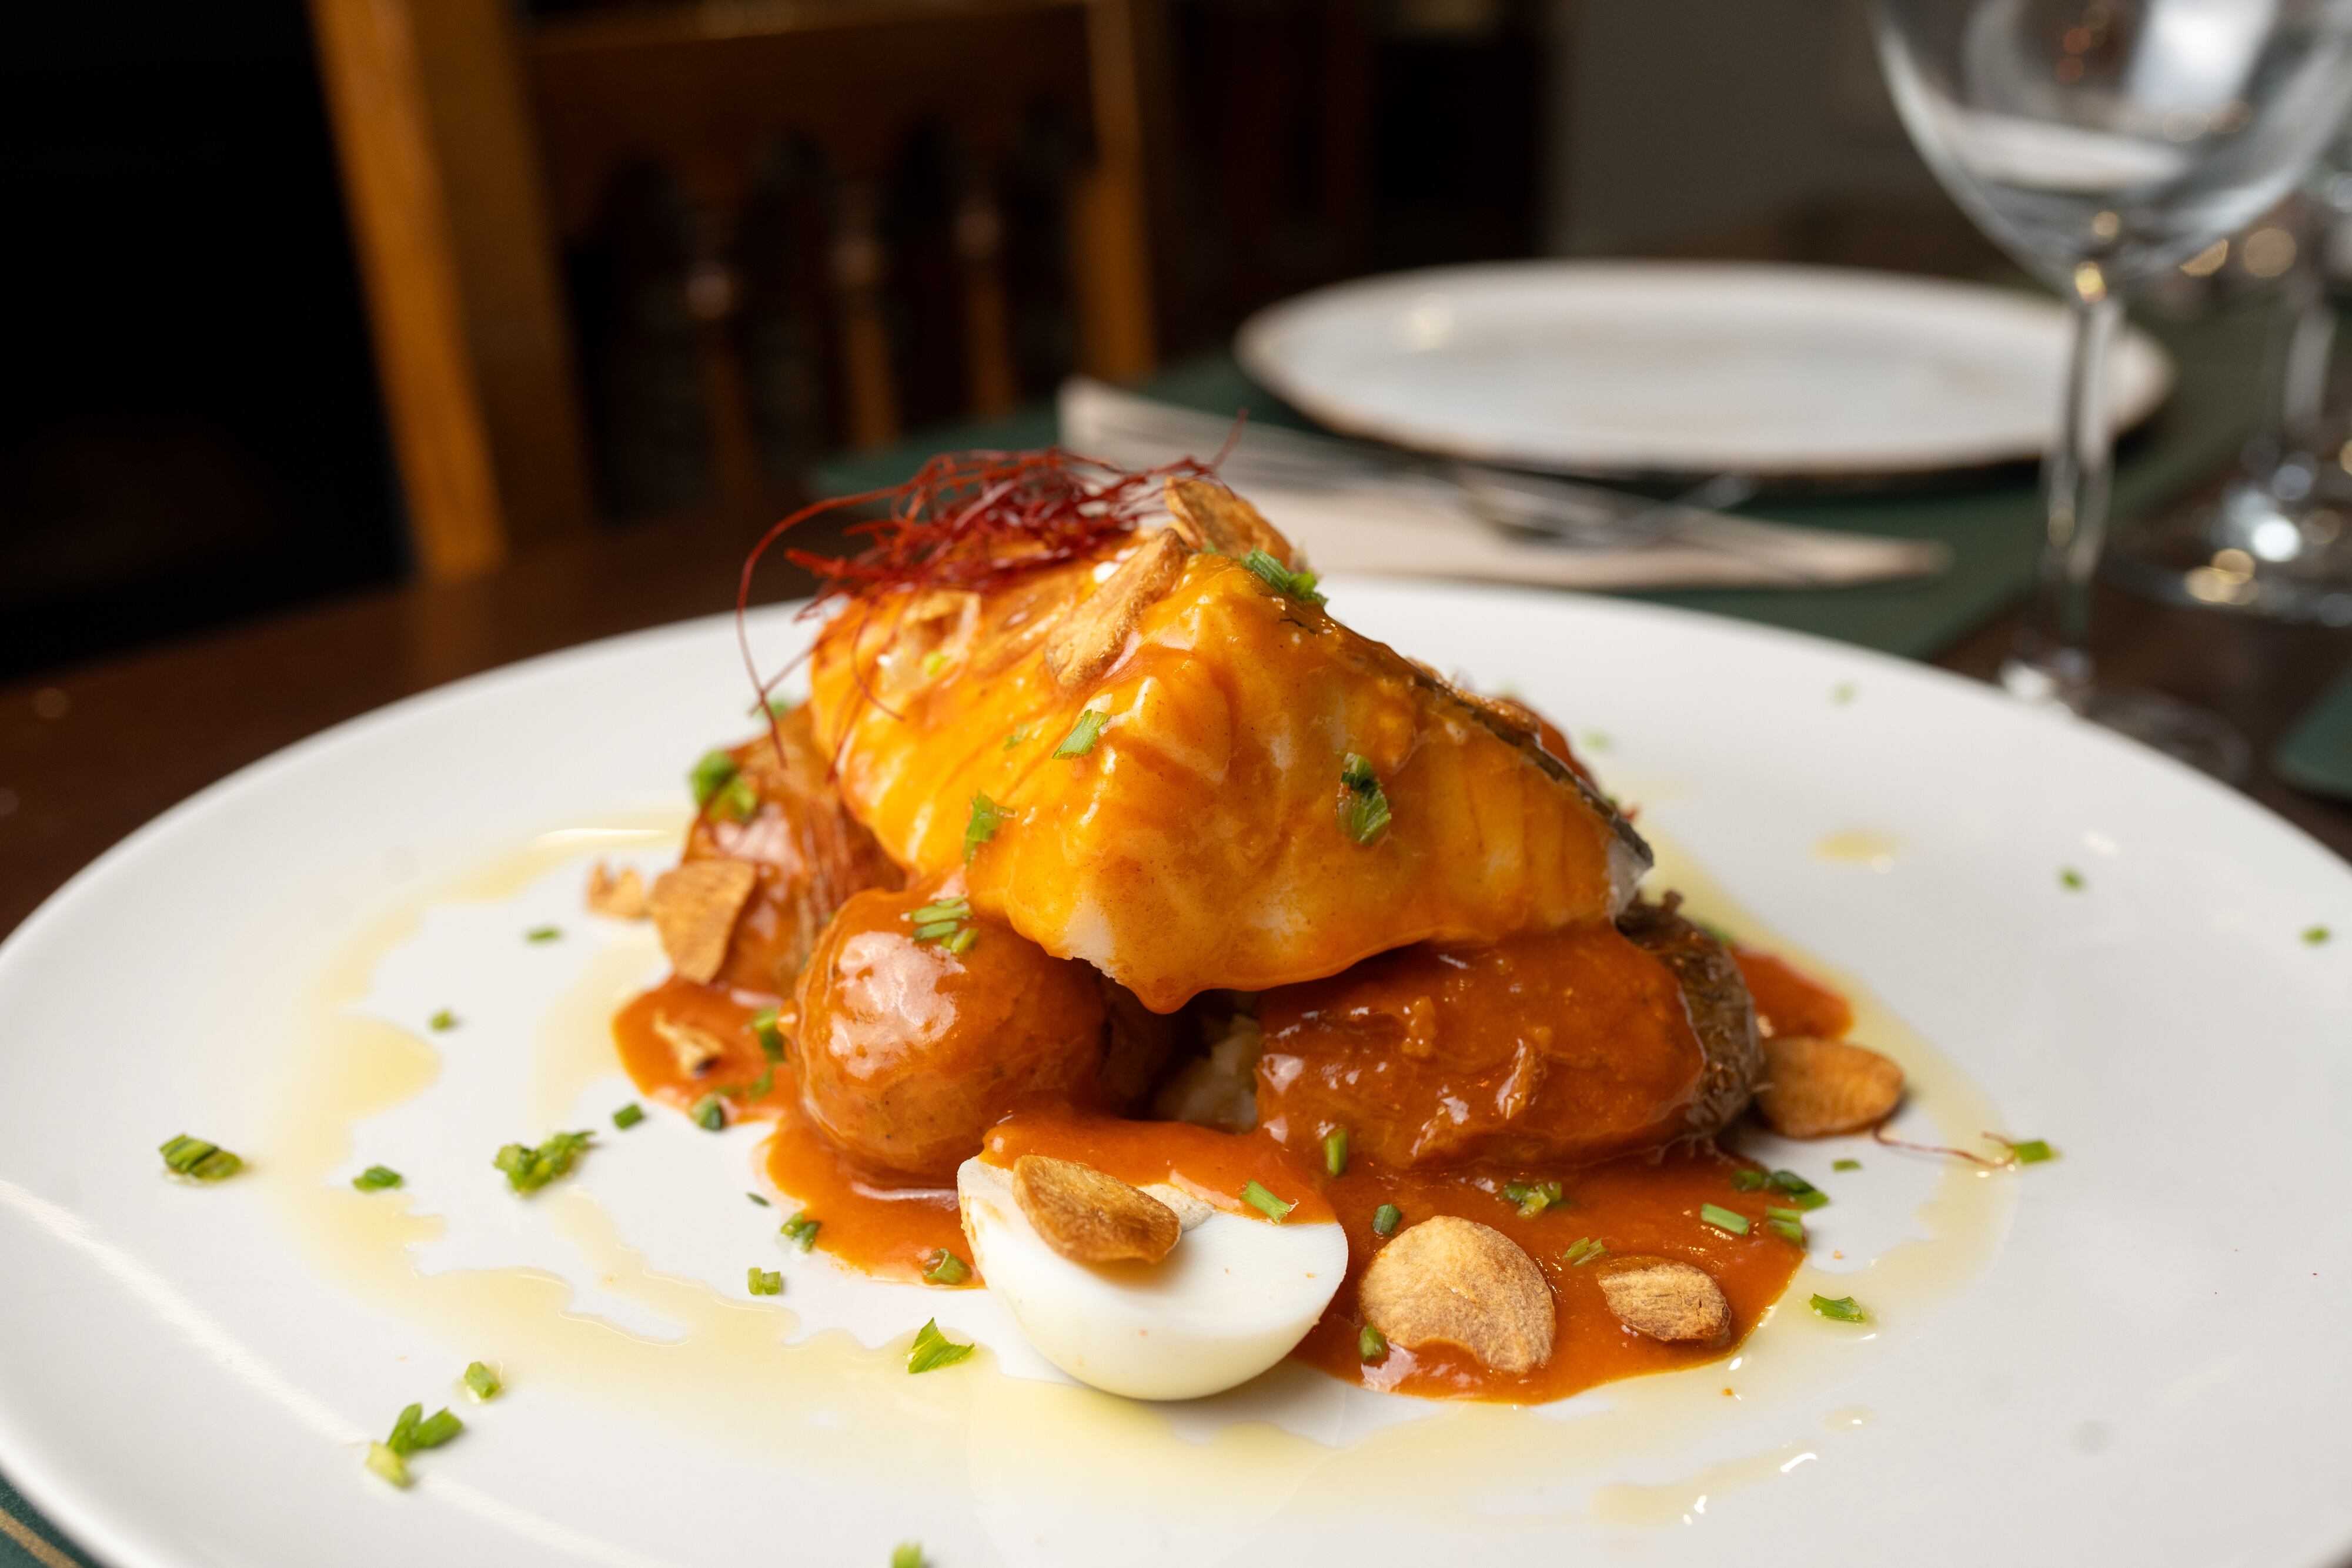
1254	350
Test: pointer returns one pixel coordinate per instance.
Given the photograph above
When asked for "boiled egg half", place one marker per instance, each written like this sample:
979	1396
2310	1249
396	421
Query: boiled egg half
1229	1299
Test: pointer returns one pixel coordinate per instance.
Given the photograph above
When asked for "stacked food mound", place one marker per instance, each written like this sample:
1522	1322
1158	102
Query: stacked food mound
1114	928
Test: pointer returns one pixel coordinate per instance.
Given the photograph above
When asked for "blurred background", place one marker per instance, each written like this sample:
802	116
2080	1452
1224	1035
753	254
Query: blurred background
195	432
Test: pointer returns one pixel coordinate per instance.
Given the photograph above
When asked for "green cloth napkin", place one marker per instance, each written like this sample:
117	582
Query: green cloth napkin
1993	521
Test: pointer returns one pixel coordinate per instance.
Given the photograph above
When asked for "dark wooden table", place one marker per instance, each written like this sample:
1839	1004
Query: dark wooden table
87	755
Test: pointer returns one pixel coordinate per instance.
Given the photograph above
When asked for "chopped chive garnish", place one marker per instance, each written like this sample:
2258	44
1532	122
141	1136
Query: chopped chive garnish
1335	1151
543	933
755	1197
778	706
1790	1230
628	1115
1796	1213
2032	1151
1363	805
376	1178
481	1382
2316	934
1371	1344
946	922
415	1430
946	1269
765	1029
1844	1309
737	801
387	1464
1299	585
529	1169
1723	1218
1745	1180
194	1157
1801	1192
1024	733
443	1020
710	1113
906	1555
709	775
436	1429
1083	734
1845	1165
402	1440
2070	879
1255	1194
764	1281
1584	1251
1385	1218
986	817
800	1231
1533	1196
934	662
933	1349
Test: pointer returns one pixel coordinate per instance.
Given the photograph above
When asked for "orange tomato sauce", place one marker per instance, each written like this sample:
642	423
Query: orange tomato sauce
1636	1206
1644	1205
886	1228
1790	1001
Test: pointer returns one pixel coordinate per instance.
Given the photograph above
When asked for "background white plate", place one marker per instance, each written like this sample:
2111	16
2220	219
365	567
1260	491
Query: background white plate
1617	367
2148	1368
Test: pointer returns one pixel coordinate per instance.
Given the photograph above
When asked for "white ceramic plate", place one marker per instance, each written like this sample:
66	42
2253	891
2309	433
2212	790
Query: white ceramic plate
2133	1353
1617	367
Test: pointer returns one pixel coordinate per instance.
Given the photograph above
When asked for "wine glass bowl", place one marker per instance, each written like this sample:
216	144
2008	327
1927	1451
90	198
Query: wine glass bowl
2100	142
2129	134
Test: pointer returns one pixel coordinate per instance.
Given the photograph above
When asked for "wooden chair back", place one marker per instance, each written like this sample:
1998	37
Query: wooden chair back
480	149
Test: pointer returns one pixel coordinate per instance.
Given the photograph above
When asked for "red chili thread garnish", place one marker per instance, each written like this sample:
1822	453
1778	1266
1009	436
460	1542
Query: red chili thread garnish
966	520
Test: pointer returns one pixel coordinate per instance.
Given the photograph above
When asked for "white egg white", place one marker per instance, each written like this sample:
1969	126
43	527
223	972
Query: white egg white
1231	1299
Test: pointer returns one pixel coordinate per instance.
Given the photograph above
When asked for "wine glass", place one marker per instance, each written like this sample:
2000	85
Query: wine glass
2100	142
2278	540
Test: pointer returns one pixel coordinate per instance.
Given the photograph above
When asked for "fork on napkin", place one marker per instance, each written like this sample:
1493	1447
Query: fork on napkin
1354	508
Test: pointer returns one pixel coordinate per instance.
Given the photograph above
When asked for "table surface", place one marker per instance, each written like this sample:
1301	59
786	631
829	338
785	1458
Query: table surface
87	755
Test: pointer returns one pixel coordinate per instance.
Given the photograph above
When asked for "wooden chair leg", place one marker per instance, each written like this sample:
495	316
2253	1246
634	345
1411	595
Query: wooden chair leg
987	327
865	340
713	300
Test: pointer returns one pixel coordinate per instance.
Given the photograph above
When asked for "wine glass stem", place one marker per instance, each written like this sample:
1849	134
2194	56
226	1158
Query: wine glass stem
2051	661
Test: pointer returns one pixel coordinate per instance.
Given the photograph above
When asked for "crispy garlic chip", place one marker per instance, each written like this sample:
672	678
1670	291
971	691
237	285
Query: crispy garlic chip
1449	1280
1088	1216
1086	641
696	1048
1814	1088
694	907
1212	517
620	894
1666	1299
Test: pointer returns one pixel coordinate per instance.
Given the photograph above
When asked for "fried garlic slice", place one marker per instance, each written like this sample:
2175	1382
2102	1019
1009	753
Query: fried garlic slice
694	907
1449	1280
1813	1088
1666	1299
1090	1216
